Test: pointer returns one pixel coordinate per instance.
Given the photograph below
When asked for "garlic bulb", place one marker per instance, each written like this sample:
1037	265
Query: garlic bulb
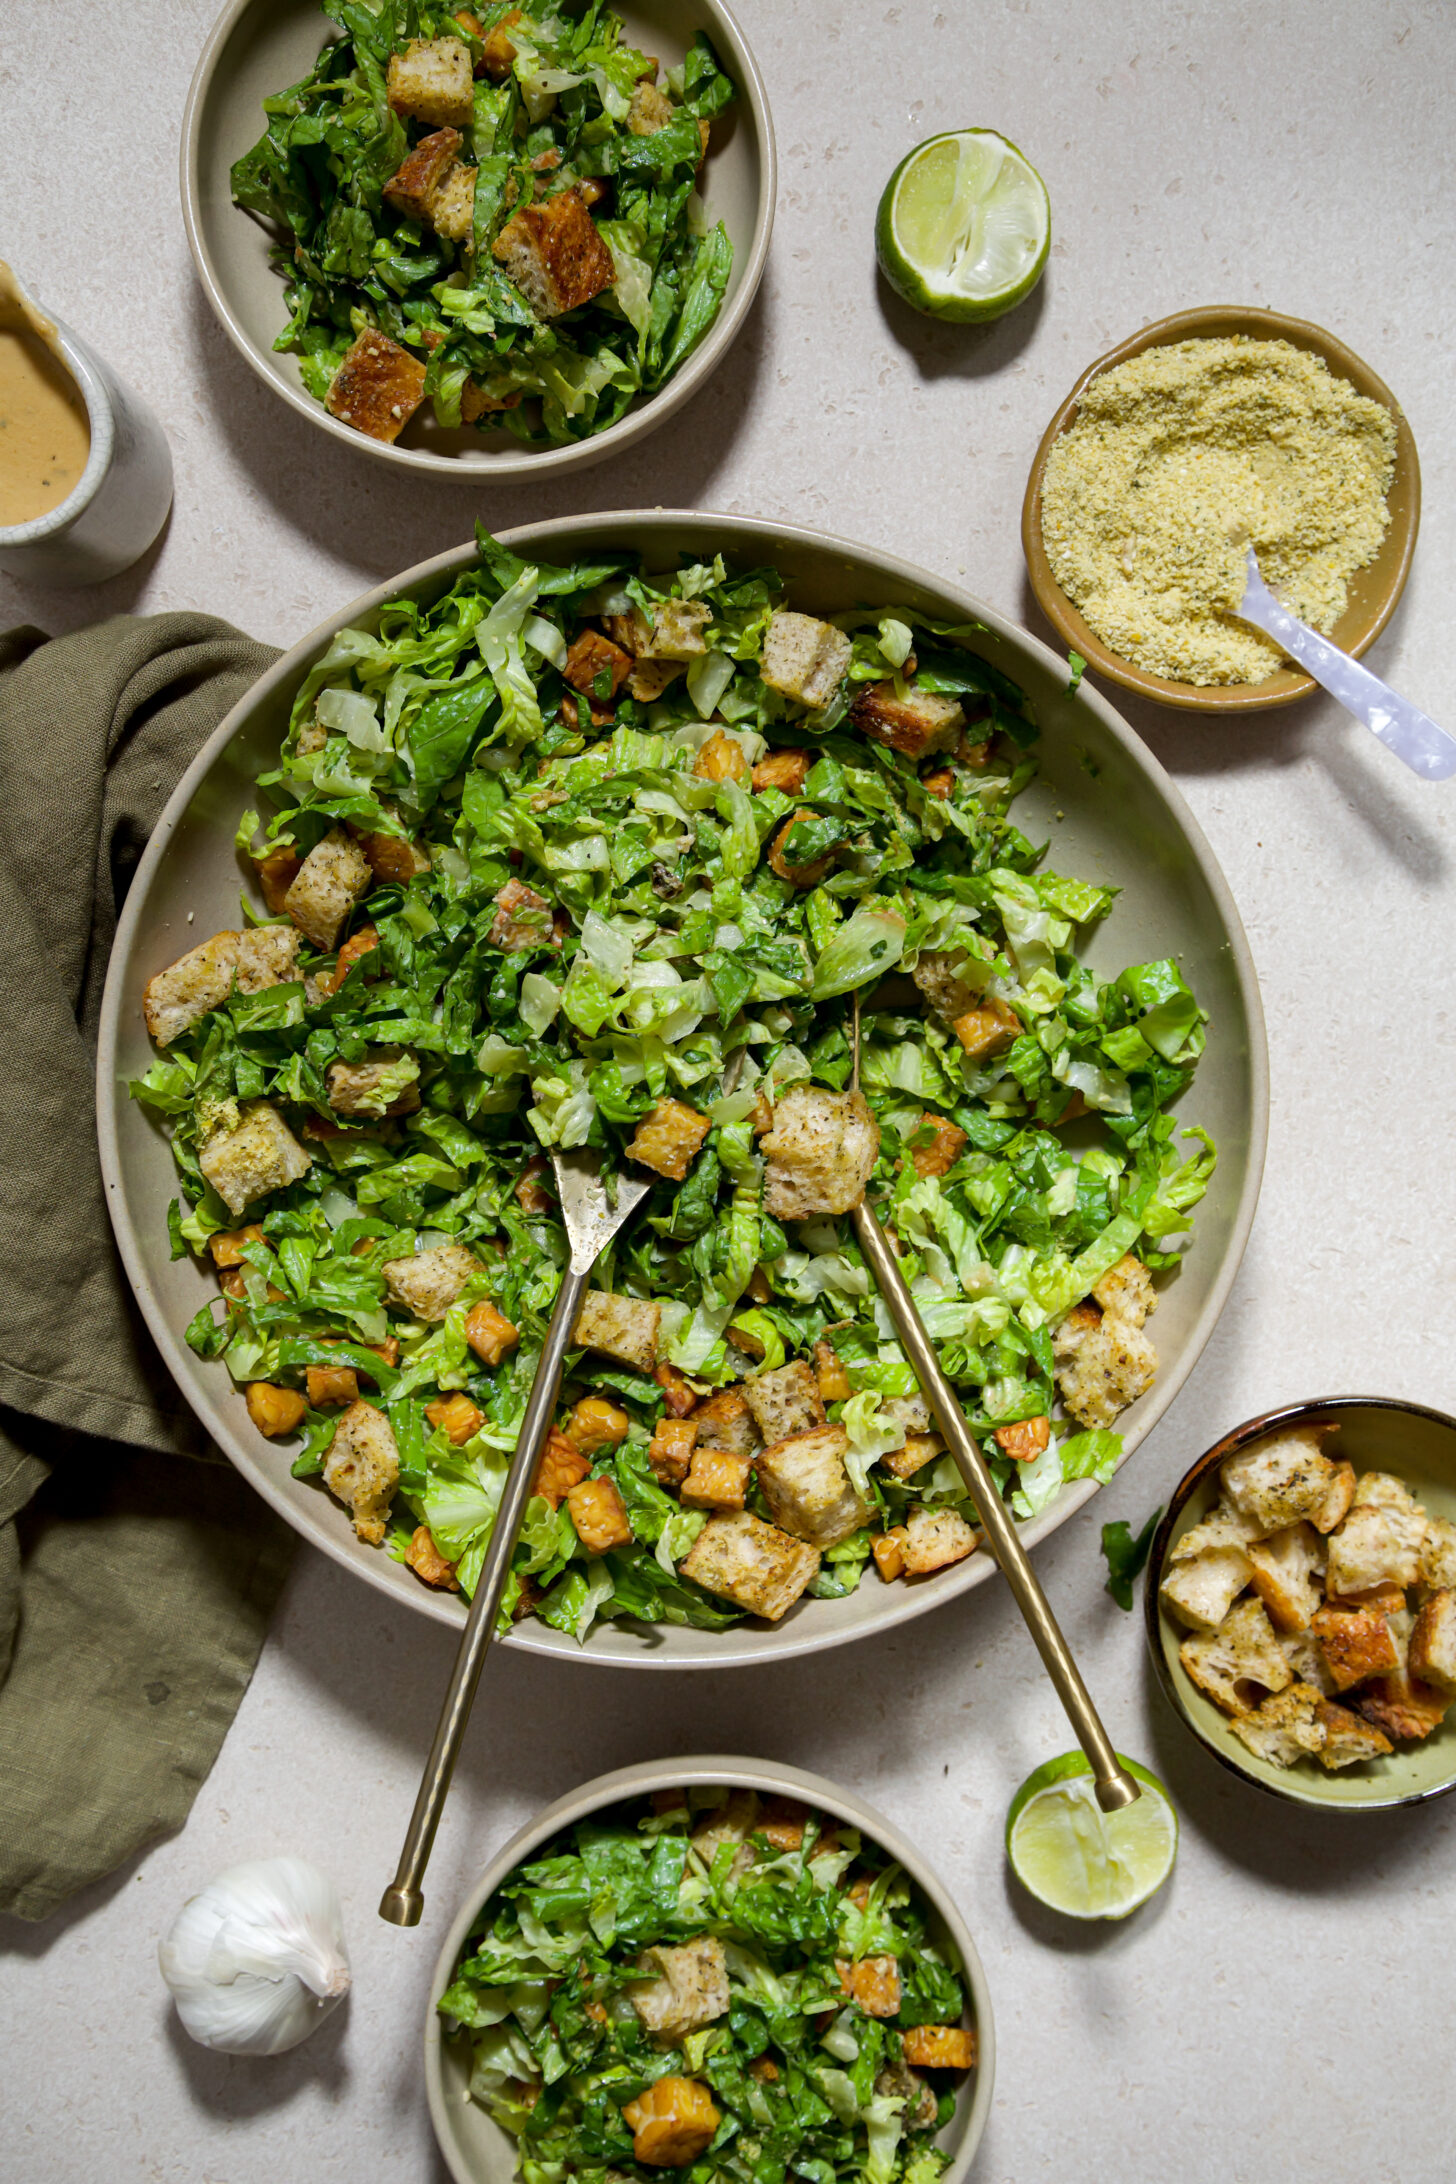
257	1960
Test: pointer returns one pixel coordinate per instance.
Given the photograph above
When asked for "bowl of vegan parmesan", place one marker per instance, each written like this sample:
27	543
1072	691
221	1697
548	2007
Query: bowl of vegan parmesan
1201	435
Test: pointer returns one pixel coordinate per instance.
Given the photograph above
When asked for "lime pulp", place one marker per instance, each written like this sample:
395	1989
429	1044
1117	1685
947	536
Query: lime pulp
1080	1860
964	226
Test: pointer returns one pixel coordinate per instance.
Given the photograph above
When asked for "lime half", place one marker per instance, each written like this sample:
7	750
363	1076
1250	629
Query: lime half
964	226
1081	1860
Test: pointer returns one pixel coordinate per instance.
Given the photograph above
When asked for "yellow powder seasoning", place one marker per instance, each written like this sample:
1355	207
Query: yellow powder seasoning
1182	458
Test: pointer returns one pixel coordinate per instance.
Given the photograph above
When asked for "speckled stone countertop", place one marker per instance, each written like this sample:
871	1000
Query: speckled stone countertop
1276	2012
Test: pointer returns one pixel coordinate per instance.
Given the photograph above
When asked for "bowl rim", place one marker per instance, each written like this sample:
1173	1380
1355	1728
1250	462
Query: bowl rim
735	533
1254	1429
1286	685
519	463
710	1770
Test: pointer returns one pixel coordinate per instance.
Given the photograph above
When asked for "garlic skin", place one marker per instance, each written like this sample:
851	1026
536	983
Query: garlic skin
257	1960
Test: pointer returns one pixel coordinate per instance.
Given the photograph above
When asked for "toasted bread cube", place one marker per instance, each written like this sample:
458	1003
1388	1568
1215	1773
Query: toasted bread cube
830	1377
621	1327
781	1822
597	1424
897	2082
414	183
1349	1741
1401	1706
670	1451
1239	1662
650	109
1024	1441
522	918
429	1565
1224	1526
354	1088
198	981
227	1246
785	770
821	1152
988	1029
888	1549
1280	1479
716	1479
273	1410
498	52
1200	1589
277	871
940	2047
561	1468
787	852
753	1564
1338	1496
1305	1655
393	857
807	1488
673	630
599	1514
427	1283
554	254
260	1155
942	1149
732	1821
916	724
671	2123
591	655
333	877
330	1384
920	1449
1285	1728
452	213
477	401
683	1988
1287	1566
785	1401
267	956
1103	1364
361	1467
804	658
359	945
873	1984
1433	1642
649	678
667	1138
1438	1553
1127	1289
721	759
489	1333
377	387
432	81
942	985
456	1417
935	1538
678	1398
1378	1543
725	1421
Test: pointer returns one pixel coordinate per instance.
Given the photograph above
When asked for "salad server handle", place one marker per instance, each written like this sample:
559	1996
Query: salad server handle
403	1901
1114	1786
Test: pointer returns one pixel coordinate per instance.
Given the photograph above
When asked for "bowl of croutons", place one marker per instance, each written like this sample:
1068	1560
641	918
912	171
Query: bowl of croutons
690	1955
1301	1602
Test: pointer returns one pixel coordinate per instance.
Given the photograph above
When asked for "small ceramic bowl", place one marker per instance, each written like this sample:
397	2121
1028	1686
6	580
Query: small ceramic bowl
258	47
1373	591
1376	1433
478	2151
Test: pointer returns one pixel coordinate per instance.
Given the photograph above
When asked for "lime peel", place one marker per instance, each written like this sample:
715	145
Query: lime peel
1079	1860
964	226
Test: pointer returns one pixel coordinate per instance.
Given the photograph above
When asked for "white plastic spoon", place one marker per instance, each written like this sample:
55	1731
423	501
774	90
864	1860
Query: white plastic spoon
1401	726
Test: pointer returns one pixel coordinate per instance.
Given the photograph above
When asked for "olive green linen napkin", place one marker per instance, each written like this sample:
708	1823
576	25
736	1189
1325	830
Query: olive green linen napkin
135	1580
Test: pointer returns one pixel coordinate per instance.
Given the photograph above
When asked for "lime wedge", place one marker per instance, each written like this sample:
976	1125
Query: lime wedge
964	226
1083	1861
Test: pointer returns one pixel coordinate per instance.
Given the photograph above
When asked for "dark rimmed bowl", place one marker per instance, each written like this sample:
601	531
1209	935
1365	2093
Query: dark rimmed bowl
1376	1433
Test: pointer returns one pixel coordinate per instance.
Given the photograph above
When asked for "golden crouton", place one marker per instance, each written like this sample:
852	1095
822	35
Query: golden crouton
227	1246
432	81
670	1451
427	1283
1223	1526
785	1401
377	387
596	1424
919	1450
649	111
784	770
786	852
1401	1706
1127	1289
1286	1569
943	1150
716	1479
267	956
916	724
807	1488
668	1137
1102	1364
621	1327
1338	1497
1433	1642
354	1088
988	1029
1438	1553
934	1538
873	1984
753	1564
522	918
331	1384
725	1421
1285	1727
433	187
1305	1655
561	1468
489	1333
1280	1479
1349	1742
821	1152
1378	1543
649	678
940	2047
333	877
276	874
1239	1662
896	2082
355	949
721	759
1200	1589
591	655
804	658
671	2123
429	1565
1024	1441
456	1417
477	401
888	1549
258	1155
203	978
942	985
498	53
361	1467
677	1396
273	1410
452	214
673	629
599	1514
684	1988
554	254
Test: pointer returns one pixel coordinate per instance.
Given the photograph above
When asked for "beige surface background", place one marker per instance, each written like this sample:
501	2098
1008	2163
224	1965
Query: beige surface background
1271	2015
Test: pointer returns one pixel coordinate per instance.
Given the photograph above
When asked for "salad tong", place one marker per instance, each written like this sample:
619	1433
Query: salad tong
591	1220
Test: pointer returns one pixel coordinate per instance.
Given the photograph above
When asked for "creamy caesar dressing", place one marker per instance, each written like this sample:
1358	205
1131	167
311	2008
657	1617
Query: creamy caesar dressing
45	437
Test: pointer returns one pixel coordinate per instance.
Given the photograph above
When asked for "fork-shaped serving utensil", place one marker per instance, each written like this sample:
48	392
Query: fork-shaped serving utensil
591	1220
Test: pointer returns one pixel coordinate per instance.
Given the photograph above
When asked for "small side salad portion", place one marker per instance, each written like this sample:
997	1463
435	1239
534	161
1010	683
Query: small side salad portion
493	209
710	1981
